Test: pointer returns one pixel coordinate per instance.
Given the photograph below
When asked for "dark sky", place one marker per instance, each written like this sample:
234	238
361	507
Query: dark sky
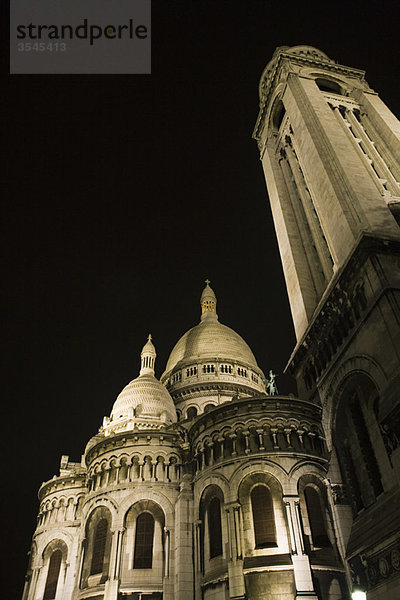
123	193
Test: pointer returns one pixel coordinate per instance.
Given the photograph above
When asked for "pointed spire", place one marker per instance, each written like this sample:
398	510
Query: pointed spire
148	358
208	301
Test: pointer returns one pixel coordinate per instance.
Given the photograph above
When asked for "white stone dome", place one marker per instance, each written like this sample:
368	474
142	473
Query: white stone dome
144	402
207	340
210	339
145	397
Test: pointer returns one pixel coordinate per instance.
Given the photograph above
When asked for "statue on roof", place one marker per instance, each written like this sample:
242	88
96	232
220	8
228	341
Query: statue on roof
270	384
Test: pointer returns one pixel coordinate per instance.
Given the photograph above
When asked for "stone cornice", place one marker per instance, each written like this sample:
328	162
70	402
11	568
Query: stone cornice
269	80
62	483
168	437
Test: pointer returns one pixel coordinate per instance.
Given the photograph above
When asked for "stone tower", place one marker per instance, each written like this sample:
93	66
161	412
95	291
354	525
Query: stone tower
330	150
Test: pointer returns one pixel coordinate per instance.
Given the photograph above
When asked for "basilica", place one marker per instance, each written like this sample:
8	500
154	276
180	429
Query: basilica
209	485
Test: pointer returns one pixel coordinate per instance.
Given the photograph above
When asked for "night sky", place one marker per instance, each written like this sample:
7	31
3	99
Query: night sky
123	194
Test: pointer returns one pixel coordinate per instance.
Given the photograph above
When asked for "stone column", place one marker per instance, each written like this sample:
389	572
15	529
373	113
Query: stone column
260	433
235	558
233	437
111	587
32	587
301	563
197	559
183	567
246	434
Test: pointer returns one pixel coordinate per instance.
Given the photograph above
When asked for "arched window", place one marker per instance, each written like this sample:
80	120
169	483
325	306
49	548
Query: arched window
263	517
326	85
278	115
316	518
192	412
143	557
99	547
214	527
356	453
52	575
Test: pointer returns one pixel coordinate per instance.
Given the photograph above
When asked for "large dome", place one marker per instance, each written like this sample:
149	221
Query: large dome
210	339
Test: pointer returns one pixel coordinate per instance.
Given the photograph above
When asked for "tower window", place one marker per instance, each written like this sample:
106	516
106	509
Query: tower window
325	85
263	517
52	576
143	557
278	115
99	547
214	527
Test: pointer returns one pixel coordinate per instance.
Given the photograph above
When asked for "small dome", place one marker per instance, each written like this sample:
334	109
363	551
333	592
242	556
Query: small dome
145	397
144	402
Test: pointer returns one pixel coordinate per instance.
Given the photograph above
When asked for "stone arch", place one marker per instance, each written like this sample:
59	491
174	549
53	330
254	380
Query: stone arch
55	544
216	479
304	468
54	560
274	104
90	504
97	547
317	524
357	439
357	364
47	537
253	480
213	529
266	466
144	549
149	495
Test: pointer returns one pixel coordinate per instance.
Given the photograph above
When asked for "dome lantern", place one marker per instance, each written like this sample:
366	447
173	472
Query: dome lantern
208	301
148	357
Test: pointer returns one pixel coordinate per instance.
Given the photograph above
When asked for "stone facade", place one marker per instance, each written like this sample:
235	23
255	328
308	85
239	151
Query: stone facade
330	149
202	486
234	493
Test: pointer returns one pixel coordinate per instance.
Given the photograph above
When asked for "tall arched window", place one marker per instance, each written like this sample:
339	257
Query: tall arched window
316	518
143	556
52	575
356	453
214	527
99	547
263	517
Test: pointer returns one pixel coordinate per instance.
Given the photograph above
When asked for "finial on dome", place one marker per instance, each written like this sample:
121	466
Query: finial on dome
208	301
148	357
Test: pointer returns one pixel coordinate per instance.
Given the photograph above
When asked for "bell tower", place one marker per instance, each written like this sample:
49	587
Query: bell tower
330	150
